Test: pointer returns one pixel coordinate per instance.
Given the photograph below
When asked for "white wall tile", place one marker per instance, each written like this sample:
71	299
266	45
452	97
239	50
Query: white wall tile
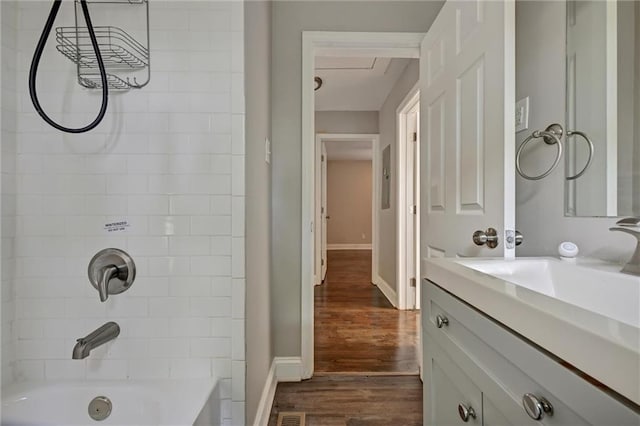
169	225
168	159
210	306
106	369
238	298
211	225
211	265
189	286
189	327
169	348
238	342
237	388
189	205
148	204
189	245
215	347
237	256
64	369
148	246
149	369
221	327
221	246
170	307
29	370
190	368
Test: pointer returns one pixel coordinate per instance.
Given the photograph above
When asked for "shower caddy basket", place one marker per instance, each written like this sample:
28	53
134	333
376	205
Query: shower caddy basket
126	60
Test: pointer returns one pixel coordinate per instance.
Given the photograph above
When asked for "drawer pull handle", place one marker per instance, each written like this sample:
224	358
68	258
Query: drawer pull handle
441	321
466	412
536	407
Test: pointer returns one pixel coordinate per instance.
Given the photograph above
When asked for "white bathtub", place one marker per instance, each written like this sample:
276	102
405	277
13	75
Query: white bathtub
135	402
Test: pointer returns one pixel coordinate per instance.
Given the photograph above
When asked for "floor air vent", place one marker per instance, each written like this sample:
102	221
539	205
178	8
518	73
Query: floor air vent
291	419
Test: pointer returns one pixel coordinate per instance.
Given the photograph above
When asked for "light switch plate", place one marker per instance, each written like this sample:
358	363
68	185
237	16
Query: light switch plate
267	150
522	114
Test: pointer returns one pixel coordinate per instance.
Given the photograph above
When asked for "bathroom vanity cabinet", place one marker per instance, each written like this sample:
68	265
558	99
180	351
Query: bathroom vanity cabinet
477	371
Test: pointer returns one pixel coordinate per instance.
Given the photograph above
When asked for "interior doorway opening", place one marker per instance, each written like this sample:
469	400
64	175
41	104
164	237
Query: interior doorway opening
354	148
345	123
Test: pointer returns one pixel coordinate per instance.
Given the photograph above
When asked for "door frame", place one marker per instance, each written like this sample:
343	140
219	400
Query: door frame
409	104
330	43
374	139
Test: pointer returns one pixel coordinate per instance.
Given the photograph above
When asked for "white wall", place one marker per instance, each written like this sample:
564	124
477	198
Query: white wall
388	136
540	74
258	207
290	18
346	122
8	106
169	159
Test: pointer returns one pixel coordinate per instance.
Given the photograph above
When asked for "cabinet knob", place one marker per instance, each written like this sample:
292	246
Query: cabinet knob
536	407
441	321
466	412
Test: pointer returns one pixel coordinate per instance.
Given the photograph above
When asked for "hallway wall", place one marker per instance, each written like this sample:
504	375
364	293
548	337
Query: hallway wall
349	193
346	122
388	136
258	202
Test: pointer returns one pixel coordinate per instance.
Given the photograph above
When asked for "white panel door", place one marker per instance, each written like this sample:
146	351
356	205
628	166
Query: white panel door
467	86
323	180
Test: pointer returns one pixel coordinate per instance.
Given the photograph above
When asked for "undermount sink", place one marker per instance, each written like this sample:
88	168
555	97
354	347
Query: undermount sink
596	287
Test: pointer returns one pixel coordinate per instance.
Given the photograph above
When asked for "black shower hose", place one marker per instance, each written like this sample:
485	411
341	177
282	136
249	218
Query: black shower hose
33	71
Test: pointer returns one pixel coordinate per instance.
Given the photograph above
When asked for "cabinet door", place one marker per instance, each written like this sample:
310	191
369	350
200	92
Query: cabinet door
491	416
446	387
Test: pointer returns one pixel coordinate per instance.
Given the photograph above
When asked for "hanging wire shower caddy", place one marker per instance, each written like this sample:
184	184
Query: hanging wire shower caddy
126	60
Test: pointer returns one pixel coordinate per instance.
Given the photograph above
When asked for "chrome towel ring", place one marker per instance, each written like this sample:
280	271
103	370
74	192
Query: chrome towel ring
591	149
551	136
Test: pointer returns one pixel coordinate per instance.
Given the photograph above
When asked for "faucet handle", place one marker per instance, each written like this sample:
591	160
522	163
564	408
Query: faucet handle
629	221
111	271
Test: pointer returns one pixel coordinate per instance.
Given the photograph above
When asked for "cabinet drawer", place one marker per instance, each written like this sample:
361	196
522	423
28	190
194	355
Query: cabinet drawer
506	367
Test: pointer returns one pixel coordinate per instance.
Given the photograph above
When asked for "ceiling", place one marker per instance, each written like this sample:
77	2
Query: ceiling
356	84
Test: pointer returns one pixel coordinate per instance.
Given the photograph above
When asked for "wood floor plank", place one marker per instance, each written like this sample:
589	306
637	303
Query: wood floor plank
352	401
356	328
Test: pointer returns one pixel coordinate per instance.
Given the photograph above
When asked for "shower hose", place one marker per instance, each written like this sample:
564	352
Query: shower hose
33	71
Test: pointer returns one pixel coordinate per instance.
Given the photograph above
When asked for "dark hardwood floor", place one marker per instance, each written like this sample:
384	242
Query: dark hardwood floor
365	355
352	401
357	330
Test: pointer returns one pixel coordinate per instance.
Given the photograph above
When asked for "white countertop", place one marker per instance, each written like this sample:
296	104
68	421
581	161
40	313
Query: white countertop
604	348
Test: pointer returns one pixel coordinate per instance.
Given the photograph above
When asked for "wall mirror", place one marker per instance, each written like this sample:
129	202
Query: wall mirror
603	102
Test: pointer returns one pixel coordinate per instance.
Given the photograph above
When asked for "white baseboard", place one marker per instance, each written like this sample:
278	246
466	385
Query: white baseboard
288	368
283	369
348	246
386	289
266	399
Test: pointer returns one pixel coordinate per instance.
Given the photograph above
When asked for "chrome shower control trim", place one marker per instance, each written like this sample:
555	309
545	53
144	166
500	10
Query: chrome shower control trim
111	271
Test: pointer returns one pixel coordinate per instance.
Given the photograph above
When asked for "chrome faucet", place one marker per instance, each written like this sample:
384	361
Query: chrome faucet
100	336
630	225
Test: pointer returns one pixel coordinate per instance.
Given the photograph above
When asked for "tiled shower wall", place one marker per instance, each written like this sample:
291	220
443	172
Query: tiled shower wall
8	19
168	161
